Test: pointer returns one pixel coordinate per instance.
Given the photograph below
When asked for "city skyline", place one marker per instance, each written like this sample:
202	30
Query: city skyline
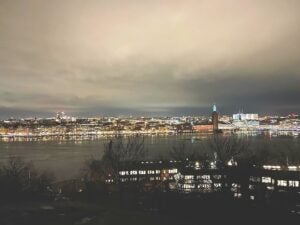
206	114
149	58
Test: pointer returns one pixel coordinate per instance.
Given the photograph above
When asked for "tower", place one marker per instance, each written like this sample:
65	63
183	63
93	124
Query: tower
215	119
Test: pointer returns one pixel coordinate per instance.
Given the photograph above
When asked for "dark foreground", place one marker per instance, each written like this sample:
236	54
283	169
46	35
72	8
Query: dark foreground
152	209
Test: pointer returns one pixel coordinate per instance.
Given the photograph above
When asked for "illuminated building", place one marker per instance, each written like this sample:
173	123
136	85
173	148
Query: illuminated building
203	128
198	179
245	116
208	126
246	120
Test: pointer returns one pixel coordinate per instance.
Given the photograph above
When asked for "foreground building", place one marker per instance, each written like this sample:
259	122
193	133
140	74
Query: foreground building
253	184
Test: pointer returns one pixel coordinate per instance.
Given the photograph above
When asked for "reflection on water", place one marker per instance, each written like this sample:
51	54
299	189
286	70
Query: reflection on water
192	136
65	156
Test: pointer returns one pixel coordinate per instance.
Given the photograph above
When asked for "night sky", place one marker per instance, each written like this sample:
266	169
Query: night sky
149	57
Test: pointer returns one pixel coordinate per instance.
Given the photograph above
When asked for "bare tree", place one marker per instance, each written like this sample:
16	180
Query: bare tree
288	154
182	152
19	178
283	153
122	151
119	150
259	154
227	148
186	153
15	167
94	171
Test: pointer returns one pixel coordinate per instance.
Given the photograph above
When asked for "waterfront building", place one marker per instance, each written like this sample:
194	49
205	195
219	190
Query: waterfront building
245	116
203	127
245	121
208	125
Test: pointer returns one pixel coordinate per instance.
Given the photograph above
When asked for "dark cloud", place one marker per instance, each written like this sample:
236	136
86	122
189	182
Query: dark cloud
135	57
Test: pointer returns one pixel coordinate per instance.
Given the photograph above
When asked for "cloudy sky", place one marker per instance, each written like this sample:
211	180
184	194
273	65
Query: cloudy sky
142	57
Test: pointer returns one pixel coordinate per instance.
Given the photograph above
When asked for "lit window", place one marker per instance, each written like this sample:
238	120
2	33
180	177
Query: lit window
157	171
188	186
292	168
294	183
109	181
142	172
217	185
271	167
205	177
189	177
282	183
217	176
133	172
266	179
122	173
204	186
235	185
237	195
173	171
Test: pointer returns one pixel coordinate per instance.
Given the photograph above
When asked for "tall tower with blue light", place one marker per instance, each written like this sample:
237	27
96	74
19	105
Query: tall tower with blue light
214	108
215	119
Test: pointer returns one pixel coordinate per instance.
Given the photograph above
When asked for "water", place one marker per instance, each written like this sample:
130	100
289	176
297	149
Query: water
66	158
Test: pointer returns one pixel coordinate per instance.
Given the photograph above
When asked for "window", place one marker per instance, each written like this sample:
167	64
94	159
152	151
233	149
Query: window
188	186
270	167
235	185
142	172
292	168
266	179
282	183
237	195
217	176
109	181
294	183
133	172
122	173
205	177
189	177
173	171
151	171
204	186
217	185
